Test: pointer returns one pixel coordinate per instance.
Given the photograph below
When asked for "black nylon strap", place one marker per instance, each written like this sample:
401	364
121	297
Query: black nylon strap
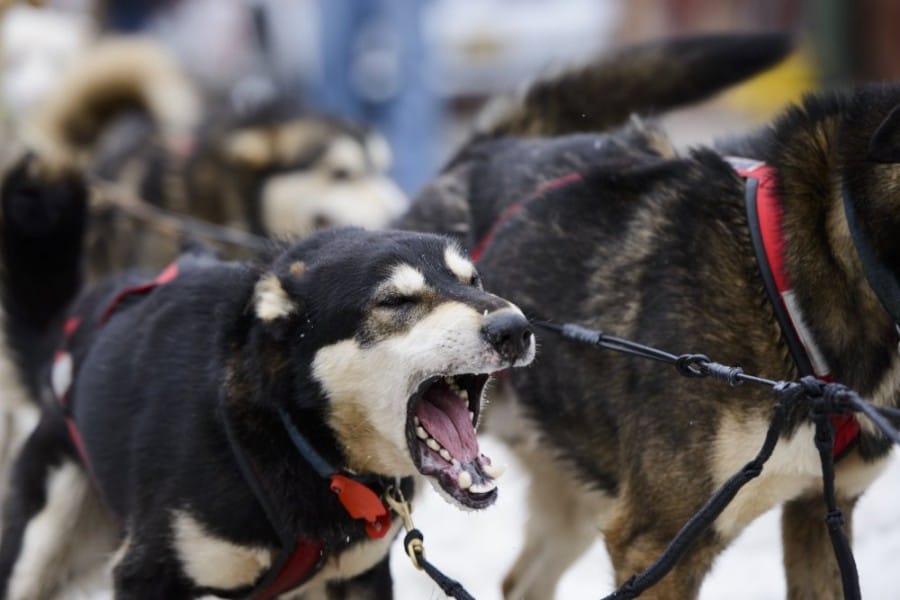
784	322
882	281
306	450
278	525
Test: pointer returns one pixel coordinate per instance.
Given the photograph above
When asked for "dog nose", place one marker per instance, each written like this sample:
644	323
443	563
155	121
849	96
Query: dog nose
510	334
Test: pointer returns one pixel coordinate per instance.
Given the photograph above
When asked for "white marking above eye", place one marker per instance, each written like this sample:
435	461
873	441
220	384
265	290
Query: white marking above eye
458	264
406	280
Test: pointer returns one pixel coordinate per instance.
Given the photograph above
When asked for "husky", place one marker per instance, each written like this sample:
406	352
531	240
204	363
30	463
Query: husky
127	113
233	428
579	214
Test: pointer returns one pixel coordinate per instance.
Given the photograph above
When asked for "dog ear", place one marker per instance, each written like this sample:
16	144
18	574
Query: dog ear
270	300
884	147
276	301
248	147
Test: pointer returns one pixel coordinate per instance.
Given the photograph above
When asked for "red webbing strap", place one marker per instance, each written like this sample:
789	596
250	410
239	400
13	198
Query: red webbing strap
63	365
167	275
295	571
770	214
515	207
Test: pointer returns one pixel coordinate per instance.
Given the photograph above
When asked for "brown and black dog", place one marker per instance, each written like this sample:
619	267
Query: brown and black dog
128	114
618	232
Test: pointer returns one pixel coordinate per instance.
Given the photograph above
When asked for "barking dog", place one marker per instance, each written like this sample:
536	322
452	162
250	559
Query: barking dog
270	169
218	408
617	232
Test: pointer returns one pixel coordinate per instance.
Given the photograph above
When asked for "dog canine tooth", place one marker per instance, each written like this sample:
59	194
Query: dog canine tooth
421	433
432	443
482	488
464	480
494	471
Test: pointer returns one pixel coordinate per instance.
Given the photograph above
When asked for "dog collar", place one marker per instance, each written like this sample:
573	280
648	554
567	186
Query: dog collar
300	559
358	499
765	217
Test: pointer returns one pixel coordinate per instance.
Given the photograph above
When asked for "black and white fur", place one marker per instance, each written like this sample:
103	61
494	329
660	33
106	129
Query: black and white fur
349	332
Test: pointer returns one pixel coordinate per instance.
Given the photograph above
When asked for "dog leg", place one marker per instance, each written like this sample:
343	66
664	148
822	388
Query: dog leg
810	566
564	520
53	528
147	570
635	540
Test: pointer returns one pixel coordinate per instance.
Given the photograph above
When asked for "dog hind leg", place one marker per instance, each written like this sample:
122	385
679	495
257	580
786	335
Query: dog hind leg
53	531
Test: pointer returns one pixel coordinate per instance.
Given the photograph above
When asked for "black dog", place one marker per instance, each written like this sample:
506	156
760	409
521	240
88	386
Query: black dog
242	422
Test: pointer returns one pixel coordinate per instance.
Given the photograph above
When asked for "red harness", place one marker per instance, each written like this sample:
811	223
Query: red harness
770	244
294	566
766	206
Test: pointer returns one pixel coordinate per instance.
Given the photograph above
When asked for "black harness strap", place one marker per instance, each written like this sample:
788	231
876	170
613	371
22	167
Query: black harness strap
882	281
798	353
298	559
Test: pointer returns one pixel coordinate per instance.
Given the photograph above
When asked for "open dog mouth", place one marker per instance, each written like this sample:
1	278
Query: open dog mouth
440	431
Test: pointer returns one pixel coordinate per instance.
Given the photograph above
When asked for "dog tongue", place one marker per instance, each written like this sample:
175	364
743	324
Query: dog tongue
445	416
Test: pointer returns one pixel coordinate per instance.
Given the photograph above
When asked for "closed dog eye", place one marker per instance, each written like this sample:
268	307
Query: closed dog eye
398	302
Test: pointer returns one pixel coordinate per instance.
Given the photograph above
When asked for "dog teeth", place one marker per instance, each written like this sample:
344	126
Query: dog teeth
416	420
482	488
464	480
432	443
494	471
454	387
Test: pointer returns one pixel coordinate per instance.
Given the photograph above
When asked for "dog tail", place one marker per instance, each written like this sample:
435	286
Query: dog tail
44	214
640	80
117	76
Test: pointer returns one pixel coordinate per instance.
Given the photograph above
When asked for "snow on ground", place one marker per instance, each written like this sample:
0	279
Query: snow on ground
477	548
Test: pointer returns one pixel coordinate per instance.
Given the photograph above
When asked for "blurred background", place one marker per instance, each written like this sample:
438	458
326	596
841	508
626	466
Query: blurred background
419	69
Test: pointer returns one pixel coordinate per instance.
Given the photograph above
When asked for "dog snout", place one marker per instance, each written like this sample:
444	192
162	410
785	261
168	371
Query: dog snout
511	336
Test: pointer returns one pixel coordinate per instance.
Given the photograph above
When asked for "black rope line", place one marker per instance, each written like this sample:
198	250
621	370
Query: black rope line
834	518
889	411
449	586
824	399
874	414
